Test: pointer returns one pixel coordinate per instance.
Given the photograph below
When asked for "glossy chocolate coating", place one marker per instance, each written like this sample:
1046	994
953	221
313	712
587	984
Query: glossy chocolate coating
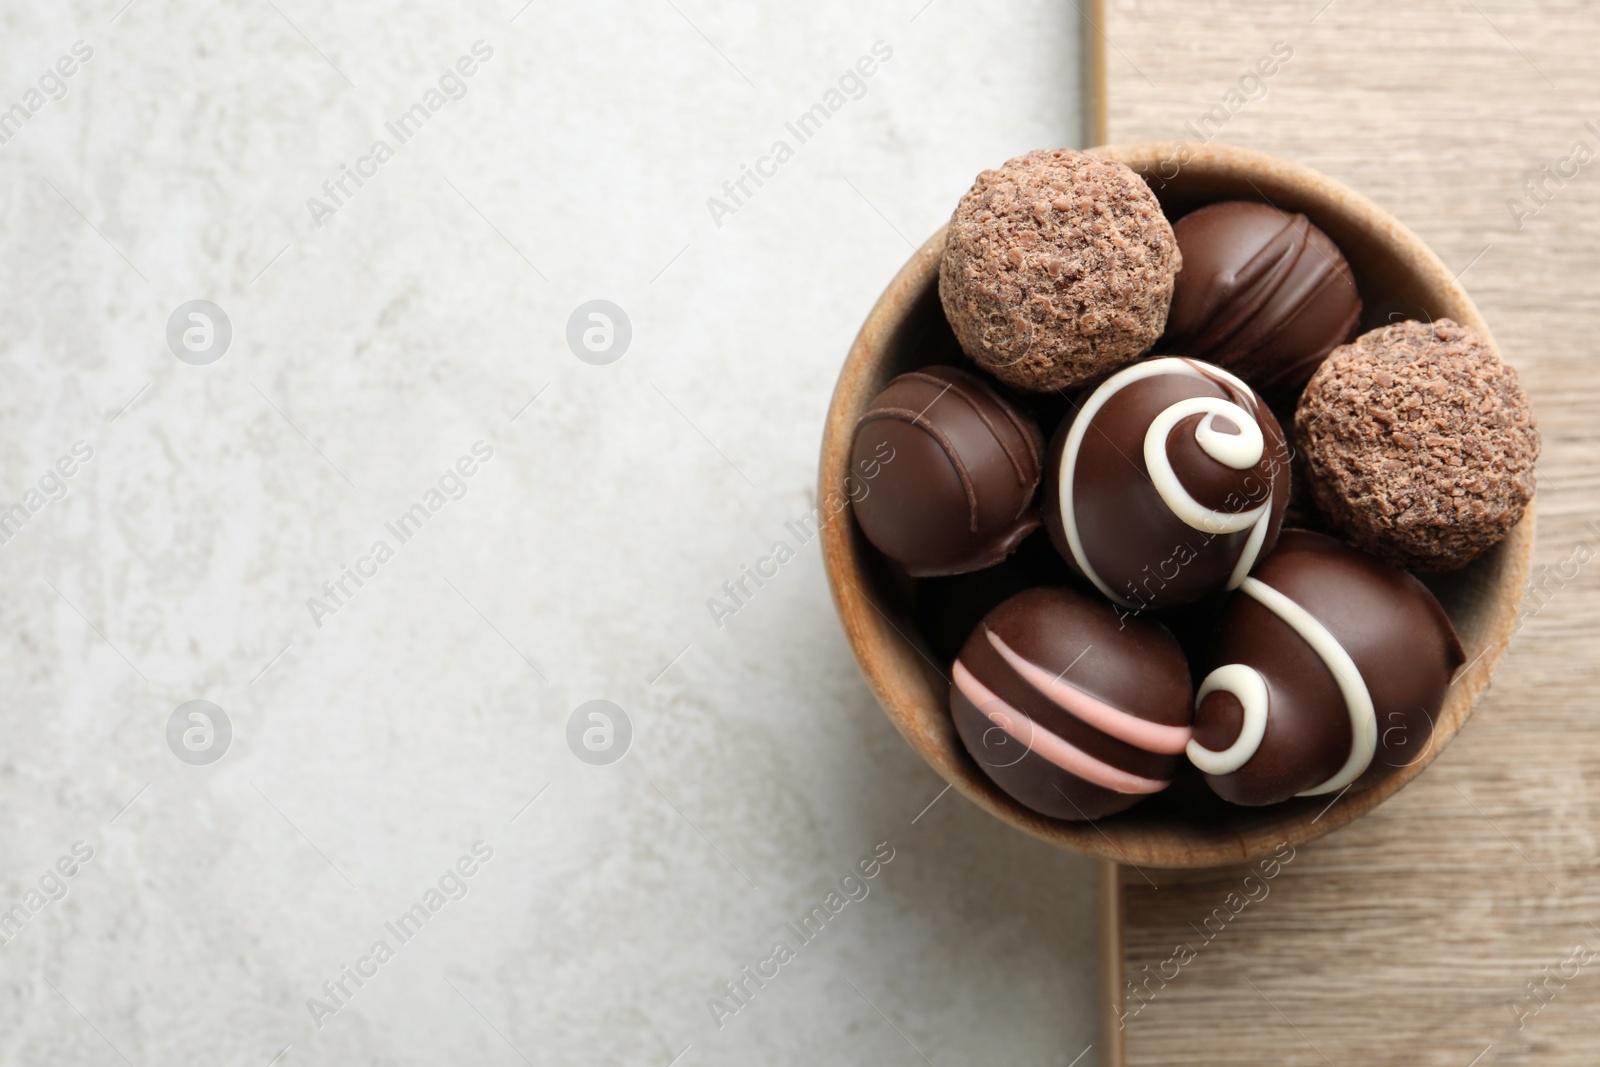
957	467
1144	540
1380	620
1263	293
1071	711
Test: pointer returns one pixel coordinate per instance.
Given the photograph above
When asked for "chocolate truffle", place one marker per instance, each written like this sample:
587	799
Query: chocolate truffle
1072	711
1263	293
1057	267
956	468
1330	667
1167	484
1419	444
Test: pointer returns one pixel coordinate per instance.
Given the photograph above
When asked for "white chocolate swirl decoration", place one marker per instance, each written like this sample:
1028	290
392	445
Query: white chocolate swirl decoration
1328	669
1246	684
1250	689
1227	432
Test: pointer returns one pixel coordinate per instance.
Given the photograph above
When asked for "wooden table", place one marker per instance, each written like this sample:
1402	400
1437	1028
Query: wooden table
1460	923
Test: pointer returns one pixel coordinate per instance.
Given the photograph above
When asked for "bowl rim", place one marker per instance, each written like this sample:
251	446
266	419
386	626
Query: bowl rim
879	646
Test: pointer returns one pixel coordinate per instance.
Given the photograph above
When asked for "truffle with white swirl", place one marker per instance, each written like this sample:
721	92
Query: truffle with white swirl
1072	711
1167	484
1330	669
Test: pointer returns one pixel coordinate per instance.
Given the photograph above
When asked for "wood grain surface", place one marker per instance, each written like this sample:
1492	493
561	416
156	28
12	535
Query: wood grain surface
1460	923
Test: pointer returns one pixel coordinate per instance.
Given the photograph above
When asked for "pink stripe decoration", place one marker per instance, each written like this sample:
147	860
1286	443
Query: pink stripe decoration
1057	750
1141	733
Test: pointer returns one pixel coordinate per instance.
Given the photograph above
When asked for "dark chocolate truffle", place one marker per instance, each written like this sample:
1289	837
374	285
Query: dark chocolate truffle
1330	667
1072	711
957	466
1168	483
1419	444
1263	293
1057	267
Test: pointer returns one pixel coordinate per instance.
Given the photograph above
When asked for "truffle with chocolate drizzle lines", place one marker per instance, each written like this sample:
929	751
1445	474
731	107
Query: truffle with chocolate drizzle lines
944	472
1331	666
1263	293
1167	484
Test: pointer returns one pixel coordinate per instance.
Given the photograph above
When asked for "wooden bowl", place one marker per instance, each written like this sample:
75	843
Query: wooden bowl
1395	272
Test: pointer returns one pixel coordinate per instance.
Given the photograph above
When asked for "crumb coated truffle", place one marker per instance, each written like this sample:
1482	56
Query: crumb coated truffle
1057	267
1419	443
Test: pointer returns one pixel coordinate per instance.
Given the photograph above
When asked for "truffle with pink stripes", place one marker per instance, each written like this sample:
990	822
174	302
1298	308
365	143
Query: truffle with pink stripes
1073	709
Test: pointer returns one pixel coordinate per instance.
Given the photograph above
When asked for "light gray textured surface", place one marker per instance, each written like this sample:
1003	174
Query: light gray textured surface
370	752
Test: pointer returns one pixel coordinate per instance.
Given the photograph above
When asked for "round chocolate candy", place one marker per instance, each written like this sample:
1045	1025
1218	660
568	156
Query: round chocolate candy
1072	711
957	468
1167	484
1419	444
1263	293
1330	667
1058	266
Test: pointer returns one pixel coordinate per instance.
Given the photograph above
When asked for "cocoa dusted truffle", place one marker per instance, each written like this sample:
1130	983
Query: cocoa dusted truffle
1419	444
956	467
1070	710
1263	293
1057	267
1168	483
1329	669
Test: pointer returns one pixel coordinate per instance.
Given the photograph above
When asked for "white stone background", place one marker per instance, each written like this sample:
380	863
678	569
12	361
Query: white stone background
367	355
